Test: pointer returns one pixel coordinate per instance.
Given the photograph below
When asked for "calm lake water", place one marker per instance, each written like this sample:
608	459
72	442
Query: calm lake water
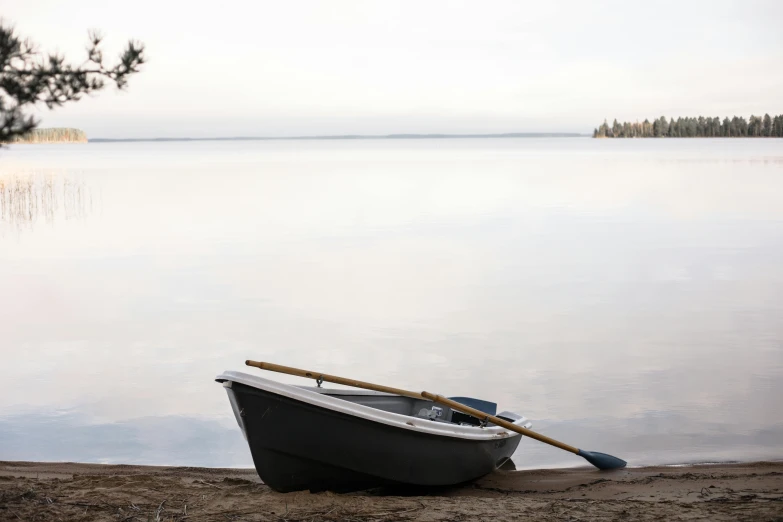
626	295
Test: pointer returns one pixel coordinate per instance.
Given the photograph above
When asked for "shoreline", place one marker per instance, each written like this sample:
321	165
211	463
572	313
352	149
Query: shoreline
86	492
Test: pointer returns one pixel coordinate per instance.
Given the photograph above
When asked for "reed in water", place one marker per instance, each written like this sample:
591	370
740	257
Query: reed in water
26	198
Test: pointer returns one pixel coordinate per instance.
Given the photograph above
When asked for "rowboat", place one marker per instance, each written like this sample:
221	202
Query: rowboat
316	438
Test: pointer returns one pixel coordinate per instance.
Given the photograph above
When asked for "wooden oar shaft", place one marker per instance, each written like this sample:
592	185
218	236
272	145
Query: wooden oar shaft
454	405
599	460
332	378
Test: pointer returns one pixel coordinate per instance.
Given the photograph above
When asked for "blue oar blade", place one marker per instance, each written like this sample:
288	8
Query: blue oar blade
602	460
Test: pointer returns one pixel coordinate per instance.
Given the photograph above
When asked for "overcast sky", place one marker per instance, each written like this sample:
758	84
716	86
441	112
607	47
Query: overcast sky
289	67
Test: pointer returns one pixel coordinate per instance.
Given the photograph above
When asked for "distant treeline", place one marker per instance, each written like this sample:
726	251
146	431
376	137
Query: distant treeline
701	127
54	135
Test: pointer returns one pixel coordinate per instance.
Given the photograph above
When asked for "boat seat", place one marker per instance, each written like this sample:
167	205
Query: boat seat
485	406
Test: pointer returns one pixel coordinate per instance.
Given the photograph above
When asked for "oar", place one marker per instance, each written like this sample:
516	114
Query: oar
599	460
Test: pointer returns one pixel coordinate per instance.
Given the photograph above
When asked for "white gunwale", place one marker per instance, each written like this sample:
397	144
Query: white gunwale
308	395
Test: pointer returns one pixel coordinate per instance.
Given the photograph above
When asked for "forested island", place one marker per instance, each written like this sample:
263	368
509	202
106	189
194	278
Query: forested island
52	135
701	127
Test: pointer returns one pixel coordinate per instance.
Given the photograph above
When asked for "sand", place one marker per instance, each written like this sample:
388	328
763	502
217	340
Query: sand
86	492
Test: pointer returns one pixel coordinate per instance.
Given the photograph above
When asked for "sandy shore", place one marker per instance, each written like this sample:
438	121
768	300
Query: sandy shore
84	492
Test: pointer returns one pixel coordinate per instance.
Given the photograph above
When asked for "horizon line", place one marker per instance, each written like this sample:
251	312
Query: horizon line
354	137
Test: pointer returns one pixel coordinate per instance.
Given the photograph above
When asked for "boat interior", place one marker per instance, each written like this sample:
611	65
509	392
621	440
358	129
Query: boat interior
420	408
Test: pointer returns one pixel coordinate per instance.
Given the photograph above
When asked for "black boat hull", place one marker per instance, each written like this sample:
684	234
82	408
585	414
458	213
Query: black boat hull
296	445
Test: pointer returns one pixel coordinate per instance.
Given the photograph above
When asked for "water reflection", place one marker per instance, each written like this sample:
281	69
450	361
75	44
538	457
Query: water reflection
625	296
172	441
28	198
178	440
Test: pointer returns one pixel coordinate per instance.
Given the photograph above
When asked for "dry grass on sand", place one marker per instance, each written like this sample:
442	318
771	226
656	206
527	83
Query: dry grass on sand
88	492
